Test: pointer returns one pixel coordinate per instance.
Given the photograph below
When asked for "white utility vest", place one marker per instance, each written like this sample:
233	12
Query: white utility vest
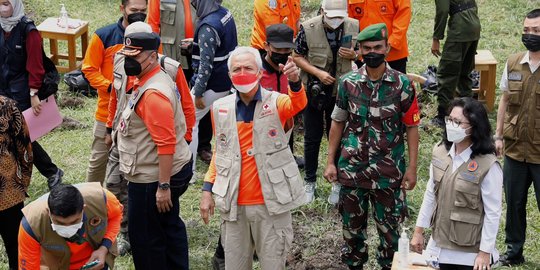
280	179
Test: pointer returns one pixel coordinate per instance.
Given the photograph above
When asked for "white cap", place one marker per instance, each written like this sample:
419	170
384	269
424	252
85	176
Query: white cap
335	8
137	27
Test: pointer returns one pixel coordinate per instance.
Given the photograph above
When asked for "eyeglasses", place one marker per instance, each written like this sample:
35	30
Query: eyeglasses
454	122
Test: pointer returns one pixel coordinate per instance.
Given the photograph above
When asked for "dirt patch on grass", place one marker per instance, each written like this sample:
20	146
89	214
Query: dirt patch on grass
317	241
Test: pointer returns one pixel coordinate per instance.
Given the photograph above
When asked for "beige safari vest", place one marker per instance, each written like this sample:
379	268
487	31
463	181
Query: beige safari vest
172	28
522	118
138	152
459	215
169	65
320	54
55	253
280	179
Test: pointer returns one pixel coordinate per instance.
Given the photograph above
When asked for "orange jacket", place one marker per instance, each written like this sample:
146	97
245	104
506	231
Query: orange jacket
396	14
30	248
268	12
98	63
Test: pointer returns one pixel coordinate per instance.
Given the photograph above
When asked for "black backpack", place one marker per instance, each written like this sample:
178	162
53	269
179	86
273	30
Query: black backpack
77	83
51	77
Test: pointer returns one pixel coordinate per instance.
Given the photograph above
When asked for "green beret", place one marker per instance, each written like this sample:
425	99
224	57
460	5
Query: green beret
374	32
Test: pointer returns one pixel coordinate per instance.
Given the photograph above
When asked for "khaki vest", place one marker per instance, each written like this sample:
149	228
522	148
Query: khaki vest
522	119
138	152
459	215
280	178
173	28
55	253
169	65
319	52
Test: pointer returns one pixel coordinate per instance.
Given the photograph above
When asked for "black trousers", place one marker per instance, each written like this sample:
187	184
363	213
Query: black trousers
158	240
43	161
205	133
518	177
316	123
9	230
444	266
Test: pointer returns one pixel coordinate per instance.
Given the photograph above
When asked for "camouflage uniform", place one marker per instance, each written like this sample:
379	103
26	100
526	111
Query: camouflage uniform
371	163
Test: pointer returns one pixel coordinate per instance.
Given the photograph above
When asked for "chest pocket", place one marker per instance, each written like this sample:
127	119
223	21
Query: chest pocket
318	59
167	11
467	191
515	89
439	169
386	7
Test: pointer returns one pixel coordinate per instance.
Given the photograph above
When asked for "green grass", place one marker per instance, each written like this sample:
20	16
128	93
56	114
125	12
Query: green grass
317	226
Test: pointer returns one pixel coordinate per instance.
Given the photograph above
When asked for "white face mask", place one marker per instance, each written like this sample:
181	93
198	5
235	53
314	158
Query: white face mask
66	231
455	134
334	22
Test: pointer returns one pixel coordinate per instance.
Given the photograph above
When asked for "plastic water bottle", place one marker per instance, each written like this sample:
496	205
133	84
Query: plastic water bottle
334	194
403	248
64	19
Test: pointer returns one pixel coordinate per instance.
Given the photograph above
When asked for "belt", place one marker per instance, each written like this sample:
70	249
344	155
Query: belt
456	8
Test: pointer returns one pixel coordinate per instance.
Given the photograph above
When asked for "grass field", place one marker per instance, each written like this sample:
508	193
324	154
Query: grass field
317	226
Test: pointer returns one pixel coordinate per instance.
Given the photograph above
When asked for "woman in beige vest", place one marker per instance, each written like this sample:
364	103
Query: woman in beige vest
462	202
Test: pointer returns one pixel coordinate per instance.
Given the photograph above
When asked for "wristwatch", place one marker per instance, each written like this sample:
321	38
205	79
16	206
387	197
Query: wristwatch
33	93
164	186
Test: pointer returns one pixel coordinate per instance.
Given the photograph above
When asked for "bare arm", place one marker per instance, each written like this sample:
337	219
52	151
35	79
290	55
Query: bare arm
334	140
413	137
503	104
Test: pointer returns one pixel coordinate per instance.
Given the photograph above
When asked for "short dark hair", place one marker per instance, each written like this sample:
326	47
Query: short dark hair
65	200
535	13
125	2
481	133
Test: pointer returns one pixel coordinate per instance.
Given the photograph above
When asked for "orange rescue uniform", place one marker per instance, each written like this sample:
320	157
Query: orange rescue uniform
396	14
30	248
268	12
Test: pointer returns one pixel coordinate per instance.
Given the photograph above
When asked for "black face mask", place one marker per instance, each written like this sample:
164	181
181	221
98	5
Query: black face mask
136	17
531	42
132	67
373	59
279	58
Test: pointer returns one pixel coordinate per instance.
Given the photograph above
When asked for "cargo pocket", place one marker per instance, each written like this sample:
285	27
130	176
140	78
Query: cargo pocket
167	11
509	127
221	184
280	243
127	159
317	59
280	185
292	174
467	194
464	228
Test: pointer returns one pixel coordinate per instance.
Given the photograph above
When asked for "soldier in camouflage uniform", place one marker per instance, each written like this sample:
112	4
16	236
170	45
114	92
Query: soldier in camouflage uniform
375	106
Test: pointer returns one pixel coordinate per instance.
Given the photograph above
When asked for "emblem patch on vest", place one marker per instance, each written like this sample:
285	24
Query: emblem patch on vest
95	221
223	112
514	76
266	110
272	133
383	8
473	166
358	10
272	4
222	139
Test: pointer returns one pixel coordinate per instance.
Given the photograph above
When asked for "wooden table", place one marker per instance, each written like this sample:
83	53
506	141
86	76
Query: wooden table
49	29
486	64
395	263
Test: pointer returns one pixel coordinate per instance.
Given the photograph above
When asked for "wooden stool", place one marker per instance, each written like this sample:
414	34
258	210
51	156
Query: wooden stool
486	64
49	29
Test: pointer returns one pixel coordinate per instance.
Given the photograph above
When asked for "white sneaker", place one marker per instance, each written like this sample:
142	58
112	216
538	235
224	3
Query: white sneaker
310	191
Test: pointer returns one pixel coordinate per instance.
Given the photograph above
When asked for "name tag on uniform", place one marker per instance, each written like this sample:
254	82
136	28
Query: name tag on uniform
514	76
467	176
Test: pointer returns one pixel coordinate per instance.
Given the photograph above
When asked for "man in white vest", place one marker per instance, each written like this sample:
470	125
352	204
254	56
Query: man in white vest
253	175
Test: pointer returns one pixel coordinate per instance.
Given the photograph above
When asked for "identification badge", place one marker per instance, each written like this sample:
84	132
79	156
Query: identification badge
514	76
468	176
